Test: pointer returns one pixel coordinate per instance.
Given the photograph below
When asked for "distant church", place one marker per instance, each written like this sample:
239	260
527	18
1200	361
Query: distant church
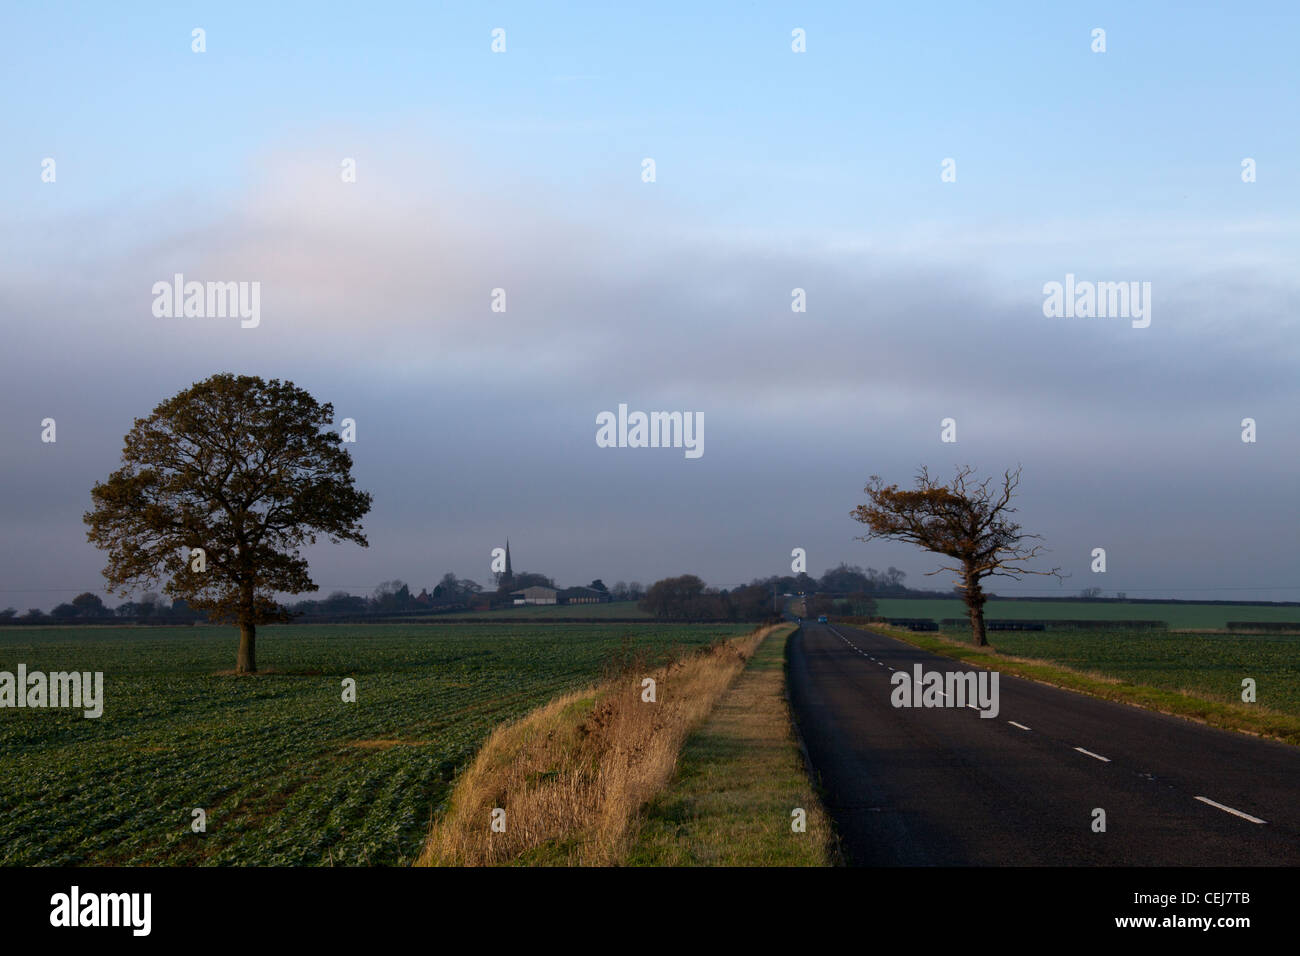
545	595
507	580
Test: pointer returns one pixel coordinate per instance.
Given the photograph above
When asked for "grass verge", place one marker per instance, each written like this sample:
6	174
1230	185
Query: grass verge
565	783
740	778
1227	715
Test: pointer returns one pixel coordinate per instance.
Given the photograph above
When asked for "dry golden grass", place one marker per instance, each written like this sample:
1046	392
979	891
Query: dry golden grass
573	775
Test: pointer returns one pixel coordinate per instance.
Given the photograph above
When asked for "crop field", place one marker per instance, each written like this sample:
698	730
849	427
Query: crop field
1207	665
1191	616
540	612
287	773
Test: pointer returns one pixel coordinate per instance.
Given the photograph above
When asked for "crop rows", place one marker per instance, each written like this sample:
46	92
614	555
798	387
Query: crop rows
287	773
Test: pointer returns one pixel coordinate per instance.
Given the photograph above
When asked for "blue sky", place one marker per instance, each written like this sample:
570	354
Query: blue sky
775	170
848	135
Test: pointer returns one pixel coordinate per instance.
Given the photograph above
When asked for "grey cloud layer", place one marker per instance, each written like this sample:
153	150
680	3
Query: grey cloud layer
474	424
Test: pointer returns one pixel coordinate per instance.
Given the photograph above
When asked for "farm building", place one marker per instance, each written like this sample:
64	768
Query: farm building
535	595
582	595
545	595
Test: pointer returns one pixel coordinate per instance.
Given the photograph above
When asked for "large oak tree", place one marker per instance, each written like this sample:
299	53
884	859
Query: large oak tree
967	520
243	469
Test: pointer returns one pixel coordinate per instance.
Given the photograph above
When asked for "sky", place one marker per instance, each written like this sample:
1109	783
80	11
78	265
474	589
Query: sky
921	172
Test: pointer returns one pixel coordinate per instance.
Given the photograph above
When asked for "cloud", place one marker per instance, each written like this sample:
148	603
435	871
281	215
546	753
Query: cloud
377	295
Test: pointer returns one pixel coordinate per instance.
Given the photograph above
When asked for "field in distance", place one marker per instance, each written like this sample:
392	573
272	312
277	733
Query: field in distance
1207	666
540	612
1191	616
286	772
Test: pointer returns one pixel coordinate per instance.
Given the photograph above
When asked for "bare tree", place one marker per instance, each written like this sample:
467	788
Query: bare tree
967	520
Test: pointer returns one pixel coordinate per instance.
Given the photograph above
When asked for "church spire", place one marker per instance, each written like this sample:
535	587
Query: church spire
509	573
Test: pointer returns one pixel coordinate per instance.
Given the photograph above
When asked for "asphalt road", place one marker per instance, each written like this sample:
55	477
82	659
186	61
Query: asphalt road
944	786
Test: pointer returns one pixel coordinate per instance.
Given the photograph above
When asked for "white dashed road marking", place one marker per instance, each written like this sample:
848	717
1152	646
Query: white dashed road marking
1093	755
1235	813
1089	753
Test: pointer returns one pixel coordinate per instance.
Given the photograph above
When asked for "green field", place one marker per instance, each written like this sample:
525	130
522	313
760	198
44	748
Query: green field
540	612
287	773
1210	666
1192	616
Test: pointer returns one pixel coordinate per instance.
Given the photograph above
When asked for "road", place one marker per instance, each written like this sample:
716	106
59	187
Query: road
944	786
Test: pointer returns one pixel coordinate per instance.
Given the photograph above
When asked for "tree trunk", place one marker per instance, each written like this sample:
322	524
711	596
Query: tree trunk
978	635
246	662
975	599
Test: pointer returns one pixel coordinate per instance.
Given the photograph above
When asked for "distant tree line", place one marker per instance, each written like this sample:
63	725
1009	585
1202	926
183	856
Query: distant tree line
87	608
844	589
849	579
451	593
687	598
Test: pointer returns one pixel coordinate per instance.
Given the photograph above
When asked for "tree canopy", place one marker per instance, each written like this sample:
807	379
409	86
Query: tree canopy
219	489
967	520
